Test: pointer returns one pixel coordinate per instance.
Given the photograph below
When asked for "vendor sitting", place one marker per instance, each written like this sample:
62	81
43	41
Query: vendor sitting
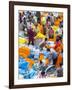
43	43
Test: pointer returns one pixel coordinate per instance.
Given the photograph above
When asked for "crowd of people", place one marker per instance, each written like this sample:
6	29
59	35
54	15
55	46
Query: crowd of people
40	44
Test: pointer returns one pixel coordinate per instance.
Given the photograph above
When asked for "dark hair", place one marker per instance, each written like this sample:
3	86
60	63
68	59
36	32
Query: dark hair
48	19
48	49
29	13
45	39
42	73
38	20
41	62
19	14
23	13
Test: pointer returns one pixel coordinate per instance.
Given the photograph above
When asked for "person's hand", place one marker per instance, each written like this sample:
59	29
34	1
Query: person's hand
34	37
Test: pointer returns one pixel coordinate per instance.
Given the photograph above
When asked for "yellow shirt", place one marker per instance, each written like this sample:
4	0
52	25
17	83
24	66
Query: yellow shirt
40	28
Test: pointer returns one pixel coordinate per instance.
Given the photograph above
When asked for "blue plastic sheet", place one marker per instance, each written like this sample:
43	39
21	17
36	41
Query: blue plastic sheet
23	64
31	73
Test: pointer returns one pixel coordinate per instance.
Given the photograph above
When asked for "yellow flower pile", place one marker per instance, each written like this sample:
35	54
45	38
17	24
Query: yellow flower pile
22	40
40	35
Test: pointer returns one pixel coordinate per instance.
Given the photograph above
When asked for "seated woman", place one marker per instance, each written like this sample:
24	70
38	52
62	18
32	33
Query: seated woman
43	43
